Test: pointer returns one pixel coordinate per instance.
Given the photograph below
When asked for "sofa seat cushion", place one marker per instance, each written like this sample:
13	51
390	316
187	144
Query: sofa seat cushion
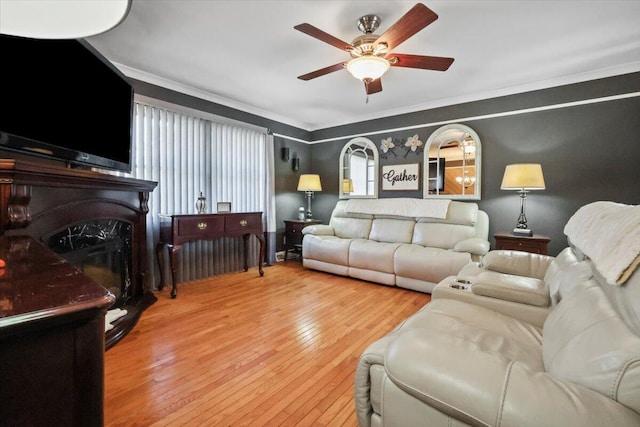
329	249
428	264
483	387
372	255
488	329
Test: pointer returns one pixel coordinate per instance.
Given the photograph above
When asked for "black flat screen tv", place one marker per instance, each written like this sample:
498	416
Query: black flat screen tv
61	99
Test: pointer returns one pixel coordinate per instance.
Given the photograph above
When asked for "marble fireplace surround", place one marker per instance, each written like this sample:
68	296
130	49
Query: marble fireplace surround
42	200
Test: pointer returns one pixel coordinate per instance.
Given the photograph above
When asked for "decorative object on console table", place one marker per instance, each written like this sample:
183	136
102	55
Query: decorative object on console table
309	183
223	207
536	243
523	177
293	235
201	204
52	338
176	230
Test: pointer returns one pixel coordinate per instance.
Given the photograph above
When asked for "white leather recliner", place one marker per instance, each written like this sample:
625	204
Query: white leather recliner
463	361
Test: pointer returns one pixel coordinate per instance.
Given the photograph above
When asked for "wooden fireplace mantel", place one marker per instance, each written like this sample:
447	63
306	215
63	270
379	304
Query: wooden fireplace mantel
39	199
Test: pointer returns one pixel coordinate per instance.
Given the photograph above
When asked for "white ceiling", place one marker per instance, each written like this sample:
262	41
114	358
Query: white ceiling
246	54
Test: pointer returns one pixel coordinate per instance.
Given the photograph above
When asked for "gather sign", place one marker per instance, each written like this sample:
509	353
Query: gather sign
401	177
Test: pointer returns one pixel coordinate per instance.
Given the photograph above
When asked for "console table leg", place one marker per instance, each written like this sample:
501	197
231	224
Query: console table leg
261	256
159	259
172	260
245	238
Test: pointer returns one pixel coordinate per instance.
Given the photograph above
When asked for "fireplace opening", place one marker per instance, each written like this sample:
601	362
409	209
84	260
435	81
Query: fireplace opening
101	249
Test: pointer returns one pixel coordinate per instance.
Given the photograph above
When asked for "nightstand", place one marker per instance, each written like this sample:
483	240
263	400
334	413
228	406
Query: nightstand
293	234
536	244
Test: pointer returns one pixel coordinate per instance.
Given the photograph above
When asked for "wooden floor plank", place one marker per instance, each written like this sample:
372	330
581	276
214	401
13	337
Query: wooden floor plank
240	349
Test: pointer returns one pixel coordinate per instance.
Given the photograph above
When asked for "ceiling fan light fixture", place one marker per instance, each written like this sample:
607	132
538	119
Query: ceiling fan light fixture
367	68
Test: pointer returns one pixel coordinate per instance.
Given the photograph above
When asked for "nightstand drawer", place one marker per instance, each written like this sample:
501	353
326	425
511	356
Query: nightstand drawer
535	244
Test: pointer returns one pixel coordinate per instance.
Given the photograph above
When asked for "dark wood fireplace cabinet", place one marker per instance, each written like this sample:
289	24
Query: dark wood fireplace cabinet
95	221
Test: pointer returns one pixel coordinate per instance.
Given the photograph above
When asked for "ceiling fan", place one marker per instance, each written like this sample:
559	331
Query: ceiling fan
371	54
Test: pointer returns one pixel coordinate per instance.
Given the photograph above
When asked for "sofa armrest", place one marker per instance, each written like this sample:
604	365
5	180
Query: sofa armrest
509	287
319	230
482	387
474	245
518	263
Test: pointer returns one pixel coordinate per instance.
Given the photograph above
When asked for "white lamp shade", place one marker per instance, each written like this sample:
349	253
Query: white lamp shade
367	67
60	19
309	182
523	176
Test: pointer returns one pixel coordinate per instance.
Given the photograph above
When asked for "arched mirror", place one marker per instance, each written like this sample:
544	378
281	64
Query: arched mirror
452	163
359	169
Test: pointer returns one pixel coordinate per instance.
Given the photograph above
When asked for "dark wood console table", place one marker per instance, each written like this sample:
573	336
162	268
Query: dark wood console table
176	230
52	339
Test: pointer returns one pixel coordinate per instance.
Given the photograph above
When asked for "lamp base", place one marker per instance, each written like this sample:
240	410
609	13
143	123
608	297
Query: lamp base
522	232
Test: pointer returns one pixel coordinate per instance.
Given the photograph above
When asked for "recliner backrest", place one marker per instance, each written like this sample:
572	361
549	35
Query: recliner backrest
350	225
564	272
587	341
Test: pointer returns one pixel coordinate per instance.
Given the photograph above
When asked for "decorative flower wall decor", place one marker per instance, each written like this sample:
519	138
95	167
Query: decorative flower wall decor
386	144
411	145
413	142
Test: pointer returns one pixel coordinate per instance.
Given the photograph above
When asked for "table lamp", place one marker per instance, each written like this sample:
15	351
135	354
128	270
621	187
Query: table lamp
523	177
309	183
347	186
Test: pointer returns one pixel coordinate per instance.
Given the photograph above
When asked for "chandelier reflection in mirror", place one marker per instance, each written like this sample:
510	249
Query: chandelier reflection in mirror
468	148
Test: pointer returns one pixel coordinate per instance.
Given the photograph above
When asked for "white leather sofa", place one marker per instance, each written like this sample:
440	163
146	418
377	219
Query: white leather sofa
465	360
411	251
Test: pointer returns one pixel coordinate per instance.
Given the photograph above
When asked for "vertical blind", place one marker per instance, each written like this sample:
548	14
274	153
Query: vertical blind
187	155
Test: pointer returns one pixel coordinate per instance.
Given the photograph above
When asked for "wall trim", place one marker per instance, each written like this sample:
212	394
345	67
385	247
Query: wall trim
166	105
475	118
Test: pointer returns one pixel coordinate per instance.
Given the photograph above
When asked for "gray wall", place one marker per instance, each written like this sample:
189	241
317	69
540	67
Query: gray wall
588	152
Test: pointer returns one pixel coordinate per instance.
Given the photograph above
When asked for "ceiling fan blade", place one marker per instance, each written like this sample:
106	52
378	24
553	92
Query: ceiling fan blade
373	86
322	36
413	21
321	72
437	63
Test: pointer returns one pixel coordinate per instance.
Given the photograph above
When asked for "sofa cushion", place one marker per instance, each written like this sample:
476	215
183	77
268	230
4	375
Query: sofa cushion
517	339
351	228
392	230
462	213
517	262
587	343
372	255
428	264
444	236
564	272
330	249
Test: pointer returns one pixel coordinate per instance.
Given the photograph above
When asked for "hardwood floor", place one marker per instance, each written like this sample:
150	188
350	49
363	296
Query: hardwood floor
239	349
